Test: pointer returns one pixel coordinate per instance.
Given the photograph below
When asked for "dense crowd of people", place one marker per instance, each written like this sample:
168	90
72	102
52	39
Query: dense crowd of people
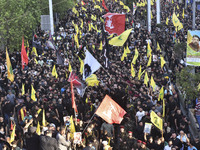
53	95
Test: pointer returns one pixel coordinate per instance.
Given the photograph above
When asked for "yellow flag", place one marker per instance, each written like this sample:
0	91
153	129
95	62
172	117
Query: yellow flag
89	25
33	93
36	61
135	56
10	75
38	112
76	40
34	51
151	16
23	89
70	67
132	71
124	55
43	119
101	46
86	100
101	19
22	113
81	65
80	34
139	72
127	50
183	15
148	50
172	1
177	7
121	39
84	9
146	79
153	84
151	2
162	61
157	121
177	15
12	136
81	23
158	47
175	20
161	94
163	108
72	127
127	8
121	3
92	80
38	128
167	20
149	61
180	26
93	17
54	72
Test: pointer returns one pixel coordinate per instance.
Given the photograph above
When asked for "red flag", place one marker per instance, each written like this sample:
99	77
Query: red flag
104	6
24	57
115	23
110	111
73	99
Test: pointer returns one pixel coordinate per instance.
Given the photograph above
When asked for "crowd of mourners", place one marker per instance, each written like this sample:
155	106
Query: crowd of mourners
53	95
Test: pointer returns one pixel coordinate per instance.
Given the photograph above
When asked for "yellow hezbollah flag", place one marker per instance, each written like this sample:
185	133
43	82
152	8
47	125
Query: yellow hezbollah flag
38	128
23	89
139	73
148	50
9	67
162	61
33	93
81	65
161	94
121	39
101	46
12	136
84	9
127	50
180	26
54	72
157	121
135	56
175	20
198	87
149	62
70	67
124	55
183	14
92	80
38	112
146	78
153	84
132	71
111	36
93	17
72	127
22	113
151	16
177	7
158	47
172	1
167	20
43	119
34	51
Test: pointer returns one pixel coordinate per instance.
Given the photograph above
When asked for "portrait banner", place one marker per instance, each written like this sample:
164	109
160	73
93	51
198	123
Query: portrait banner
193	48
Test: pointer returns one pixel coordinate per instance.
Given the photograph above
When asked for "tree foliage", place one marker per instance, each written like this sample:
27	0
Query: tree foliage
21	17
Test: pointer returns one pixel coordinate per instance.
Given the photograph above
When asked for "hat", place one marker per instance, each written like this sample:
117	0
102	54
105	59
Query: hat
130	132
139	141
144	143
121	127
52	125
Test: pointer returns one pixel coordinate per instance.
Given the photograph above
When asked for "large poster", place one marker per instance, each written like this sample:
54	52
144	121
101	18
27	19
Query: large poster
193	48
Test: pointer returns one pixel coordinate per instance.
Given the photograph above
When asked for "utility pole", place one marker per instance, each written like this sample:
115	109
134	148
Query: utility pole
51	17
158	11
149	15
193	15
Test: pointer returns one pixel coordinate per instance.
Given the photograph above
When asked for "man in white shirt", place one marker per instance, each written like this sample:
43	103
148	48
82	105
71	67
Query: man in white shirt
139	115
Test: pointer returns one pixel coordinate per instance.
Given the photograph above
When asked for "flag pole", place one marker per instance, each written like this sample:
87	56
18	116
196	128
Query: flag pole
88	123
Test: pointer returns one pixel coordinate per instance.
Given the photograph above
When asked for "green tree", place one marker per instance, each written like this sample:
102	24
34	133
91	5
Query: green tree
21	17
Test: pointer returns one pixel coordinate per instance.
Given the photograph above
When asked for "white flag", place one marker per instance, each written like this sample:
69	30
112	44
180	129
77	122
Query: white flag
90	65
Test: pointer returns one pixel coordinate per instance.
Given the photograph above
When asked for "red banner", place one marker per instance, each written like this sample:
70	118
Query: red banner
110	111
104	5
24	57
115	23
73	99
